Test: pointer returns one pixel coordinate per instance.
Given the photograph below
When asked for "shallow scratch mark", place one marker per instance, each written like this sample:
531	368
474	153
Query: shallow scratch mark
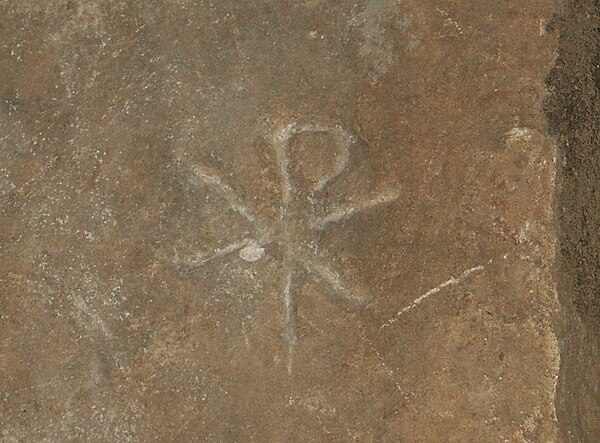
213	180
346	212
201	260
450	282
290	330
332	278
283	162
245	334
390	372
312	325
450	20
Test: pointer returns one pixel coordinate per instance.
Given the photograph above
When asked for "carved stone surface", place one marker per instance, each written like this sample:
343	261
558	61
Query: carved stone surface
276	221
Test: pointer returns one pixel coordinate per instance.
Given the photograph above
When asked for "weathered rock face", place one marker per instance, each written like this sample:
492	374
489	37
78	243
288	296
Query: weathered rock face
573	111
276	221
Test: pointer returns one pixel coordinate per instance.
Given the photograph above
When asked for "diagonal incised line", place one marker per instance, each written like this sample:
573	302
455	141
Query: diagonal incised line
332	278
214	181
417	301
348	211
200	260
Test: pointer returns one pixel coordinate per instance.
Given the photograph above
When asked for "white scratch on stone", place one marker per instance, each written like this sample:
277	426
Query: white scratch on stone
281	145
245	334
249	250
450	20
312	265
391	373
201	260
346	212
290	330
214	181
416	302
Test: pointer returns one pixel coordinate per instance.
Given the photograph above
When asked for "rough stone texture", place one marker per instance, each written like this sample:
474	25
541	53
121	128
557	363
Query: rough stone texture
276	221
573	110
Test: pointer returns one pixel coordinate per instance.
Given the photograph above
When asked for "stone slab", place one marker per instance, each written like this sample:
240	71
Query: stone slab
276	221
